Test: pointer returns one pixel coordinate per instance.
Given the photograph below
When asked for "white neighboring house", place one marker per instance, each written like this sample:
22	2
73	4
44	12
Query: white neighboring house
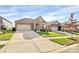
5	23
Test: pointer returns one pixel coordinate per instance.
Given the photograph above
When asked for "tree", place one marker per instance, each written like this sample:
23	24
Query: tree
72	25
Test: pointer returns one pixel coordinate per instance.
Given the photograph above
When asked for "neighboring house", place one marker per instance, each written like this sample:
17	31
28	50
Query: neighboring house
53	26
77	25
71	24
4	23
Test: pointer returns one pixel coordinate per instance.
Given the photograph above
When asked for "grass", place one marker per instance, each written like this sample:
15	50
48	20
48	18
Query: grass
77	33
6	36
1	46
51	34
62	41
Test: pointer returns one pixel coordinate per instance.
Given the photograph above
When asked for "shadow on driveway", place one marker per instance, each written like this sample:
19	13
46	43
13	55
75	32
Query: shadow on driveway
30	35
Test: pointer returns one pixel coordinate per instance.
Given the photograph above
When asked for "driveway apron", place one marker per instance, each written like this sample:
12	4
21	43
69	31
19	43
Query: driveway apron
19	45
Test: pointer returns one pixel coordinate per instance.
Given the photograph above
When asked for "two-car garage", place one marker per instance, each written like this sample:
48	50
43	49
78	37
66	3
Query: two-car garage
23	27
24	24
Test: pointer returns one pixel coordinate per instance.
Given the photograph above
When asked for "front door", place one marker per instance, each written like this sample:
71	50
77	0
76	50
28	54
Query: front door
59	28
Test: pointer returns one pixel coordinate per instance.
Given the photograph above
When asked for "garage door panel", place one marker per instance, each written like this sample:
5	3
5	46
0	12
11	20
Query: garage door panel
23	27
54	28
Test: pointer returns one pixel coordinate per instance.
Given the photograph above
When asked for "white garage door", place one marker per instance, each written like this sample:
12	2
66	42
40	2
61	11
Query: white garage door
23	27
54	28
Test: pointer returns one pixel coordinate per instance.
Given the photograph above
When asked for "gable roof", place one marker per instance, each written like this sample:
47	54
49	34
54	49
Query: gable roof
4	19
24	20
39	19
54	22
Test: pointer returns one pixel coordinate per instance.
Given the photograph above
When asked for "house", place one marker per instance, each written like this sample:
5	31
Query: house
24	24
30	24
77	24
53	26
40	24
71	24
4	23
36	24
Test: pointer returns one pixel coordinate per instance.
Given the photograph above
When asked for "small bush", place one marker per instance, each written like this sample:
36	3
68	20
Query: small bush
14	29
34	29
43	30
8	31
4	31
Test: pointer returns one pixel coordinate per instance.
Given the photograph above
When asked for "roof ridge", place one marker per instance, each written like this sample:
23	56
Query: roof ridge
24	19
5	19
38	18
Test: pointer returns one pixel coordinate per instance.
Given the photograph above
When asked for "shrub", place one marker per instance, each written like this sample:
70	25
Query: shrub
34	29
8	31
3	31
14	29
3	27
43	30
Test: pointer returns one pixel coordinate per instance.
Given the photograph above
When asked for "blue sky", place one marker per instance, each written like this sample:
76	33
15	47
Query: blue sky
48	12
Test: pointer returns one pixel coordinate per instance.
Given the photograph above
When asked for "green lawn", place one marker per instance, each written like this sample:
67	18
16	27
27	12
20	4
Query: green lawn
6	36
77	33
1	46
51	34
62	41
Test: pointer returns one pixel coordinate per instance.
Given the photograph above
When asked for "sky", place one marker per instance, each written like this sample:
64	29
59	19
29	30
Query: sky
48	12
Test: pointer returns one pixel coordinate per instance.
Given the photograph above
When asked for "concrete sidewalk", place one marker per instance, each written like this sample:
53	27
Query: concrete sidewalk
45	45
68	49
19	44
3	42
65	33
61	37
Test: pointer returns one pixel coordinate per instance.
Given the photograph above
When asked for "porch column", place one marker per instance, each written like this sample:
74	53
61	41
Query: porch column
34	25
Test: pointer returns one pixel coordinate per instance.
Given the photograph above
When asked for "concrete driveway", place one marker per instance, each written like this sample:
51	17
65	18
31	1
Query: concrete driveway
29	42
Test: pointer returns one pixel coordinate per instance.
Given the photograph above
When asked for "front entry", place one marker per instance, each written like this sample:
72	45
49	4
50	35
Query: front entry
59	28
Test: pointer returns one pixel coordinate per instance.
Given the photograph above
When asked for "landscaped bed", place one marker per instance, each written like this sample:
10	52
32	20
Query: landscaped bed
51	34
76	38
63	41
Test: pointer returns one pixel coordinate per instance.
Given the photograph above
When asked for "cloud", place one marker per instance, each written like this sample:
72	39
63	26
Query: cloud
62	14
48	12
66	10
